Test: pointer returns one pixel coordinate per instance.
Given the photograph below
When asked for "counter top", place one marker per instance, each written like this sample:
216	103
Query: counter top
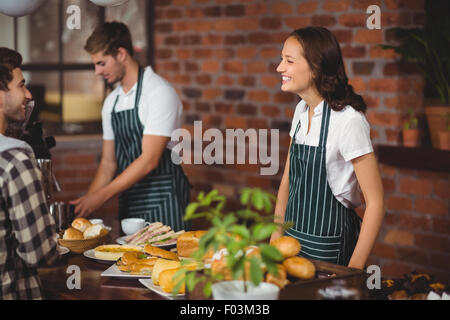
93	286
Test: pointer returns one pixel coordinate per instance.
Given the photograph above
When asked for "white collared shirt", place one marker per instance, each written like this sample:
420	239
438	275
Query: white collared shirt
348	138
160	108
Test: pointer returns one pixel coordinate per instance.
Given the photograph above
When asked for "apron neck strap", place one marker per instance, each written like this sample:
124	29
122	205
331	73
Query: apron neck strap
324	126
138	90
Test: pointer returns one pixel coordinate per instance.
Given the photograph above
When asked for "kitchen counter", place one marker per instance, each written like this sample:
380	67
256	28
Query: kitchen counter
93	286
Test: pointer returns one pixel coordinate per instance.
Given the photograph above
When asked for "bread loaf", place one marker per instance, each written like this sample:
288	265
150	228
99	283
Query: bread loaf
280	279
288	246
187	243
160	253
300	267
168	281
72	234
160	266
81	224
94	231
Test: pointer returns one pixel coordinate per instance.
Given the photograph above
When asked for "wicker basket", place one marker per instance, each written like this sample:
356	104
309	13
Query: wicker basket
80	246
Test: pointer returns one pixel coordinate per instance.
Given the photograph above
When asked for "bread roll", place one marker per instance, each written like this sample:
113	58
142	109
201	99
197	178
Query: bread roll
95	231
300	267
187	243
113	252
288	246
160	266
72	234
167	281
81	224
279	280
160	253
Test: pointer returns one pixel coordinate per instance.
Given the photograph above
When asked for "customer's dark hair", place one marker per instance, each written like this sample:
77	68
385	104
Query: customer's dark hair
323	53
108	38
9	60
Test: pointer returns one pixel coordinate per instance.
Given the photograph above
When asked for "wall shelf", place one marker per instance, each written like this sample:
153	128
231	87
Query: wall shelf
421	158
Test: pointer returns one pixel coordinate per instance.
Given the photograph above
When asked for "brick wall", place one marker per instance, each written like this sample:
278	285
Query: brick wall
221	57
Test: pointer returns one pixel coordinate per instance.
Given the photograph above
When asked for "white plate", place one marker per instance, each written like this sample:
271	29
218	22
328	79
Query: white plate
62	250
91	255
113	271
121	240
148	283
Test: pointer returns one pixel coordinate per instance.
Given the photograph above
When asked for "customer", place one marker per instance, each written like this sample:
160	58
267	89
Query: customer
27	231
331	156
139	117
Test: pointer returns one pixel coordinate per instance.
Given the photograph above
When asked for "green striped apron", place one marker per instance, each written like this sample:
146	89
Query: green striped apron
163	194
326	229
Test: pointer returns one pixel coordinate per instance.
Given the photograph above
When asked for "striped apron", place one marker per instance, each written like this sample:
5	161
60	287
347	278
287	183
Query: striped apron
326	229
163	194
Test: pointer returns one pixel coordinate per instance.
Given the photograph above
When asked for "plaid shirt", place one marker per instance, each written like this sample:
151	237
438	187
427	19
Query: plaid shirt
27	230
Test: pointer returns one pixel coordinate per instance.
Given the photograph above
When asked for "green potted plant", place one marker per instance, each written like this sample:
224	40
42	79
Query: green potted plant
233	233
429	48
411	133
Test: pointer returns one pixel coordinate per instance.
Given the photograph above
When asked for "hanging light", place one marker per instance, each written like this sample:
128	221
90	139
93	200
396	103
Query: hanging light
19	8
107	3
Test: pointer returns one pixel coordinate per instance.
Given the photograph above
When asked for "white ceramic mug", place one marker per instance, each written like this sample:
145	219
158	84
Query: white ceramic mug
131	225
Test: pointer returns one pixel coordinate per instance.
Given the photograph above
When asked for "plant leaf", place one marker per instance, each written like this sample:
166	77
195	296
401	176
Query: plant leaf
263	231
256	274
270	252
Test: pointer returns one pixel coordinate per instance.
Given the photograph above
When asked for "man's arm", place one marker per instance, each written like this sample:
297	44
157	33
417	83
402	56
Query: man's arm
152	150
33	226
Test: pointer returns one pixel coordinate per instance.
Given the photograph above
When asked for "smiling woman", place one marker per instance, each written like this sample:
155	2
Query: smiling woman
330	156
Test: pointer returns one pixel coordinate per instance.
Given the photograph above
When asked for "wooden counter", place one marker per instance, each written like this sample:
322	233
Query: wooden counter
95	287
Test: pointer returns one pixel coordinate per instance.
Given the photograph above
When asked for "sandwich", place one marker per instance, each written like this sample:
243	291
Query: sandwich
113	252
154	233
136	263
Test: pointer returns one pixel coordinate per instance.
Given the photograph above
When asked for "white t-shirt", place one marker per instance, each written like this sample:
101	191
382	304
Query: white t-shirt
160	107
348	138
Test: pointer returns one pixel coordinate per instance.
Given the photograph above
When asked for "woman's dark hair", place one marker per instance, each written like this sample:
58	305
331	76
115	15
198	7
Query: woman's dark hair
9	60
108	38
323	53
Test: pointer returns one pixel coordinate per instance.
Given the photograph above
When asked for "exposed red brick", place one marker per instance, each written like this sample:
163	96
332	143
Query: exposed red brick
225	108
398	203
432	241
364	4
233	66
413	255
307	7
389	185
225	80
212	93
336	5
246	52
255	9
415	186
323	20
210	66
271	81
441	189
284	97
389	19
393	135
268	53
259	66
281	8
270	23
259	96
297	22
353	52
270	111
247	24
395	270
441	224
353	20
399	237
383	250
343	36
432	206
247	81
440	260
368	36
378	52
